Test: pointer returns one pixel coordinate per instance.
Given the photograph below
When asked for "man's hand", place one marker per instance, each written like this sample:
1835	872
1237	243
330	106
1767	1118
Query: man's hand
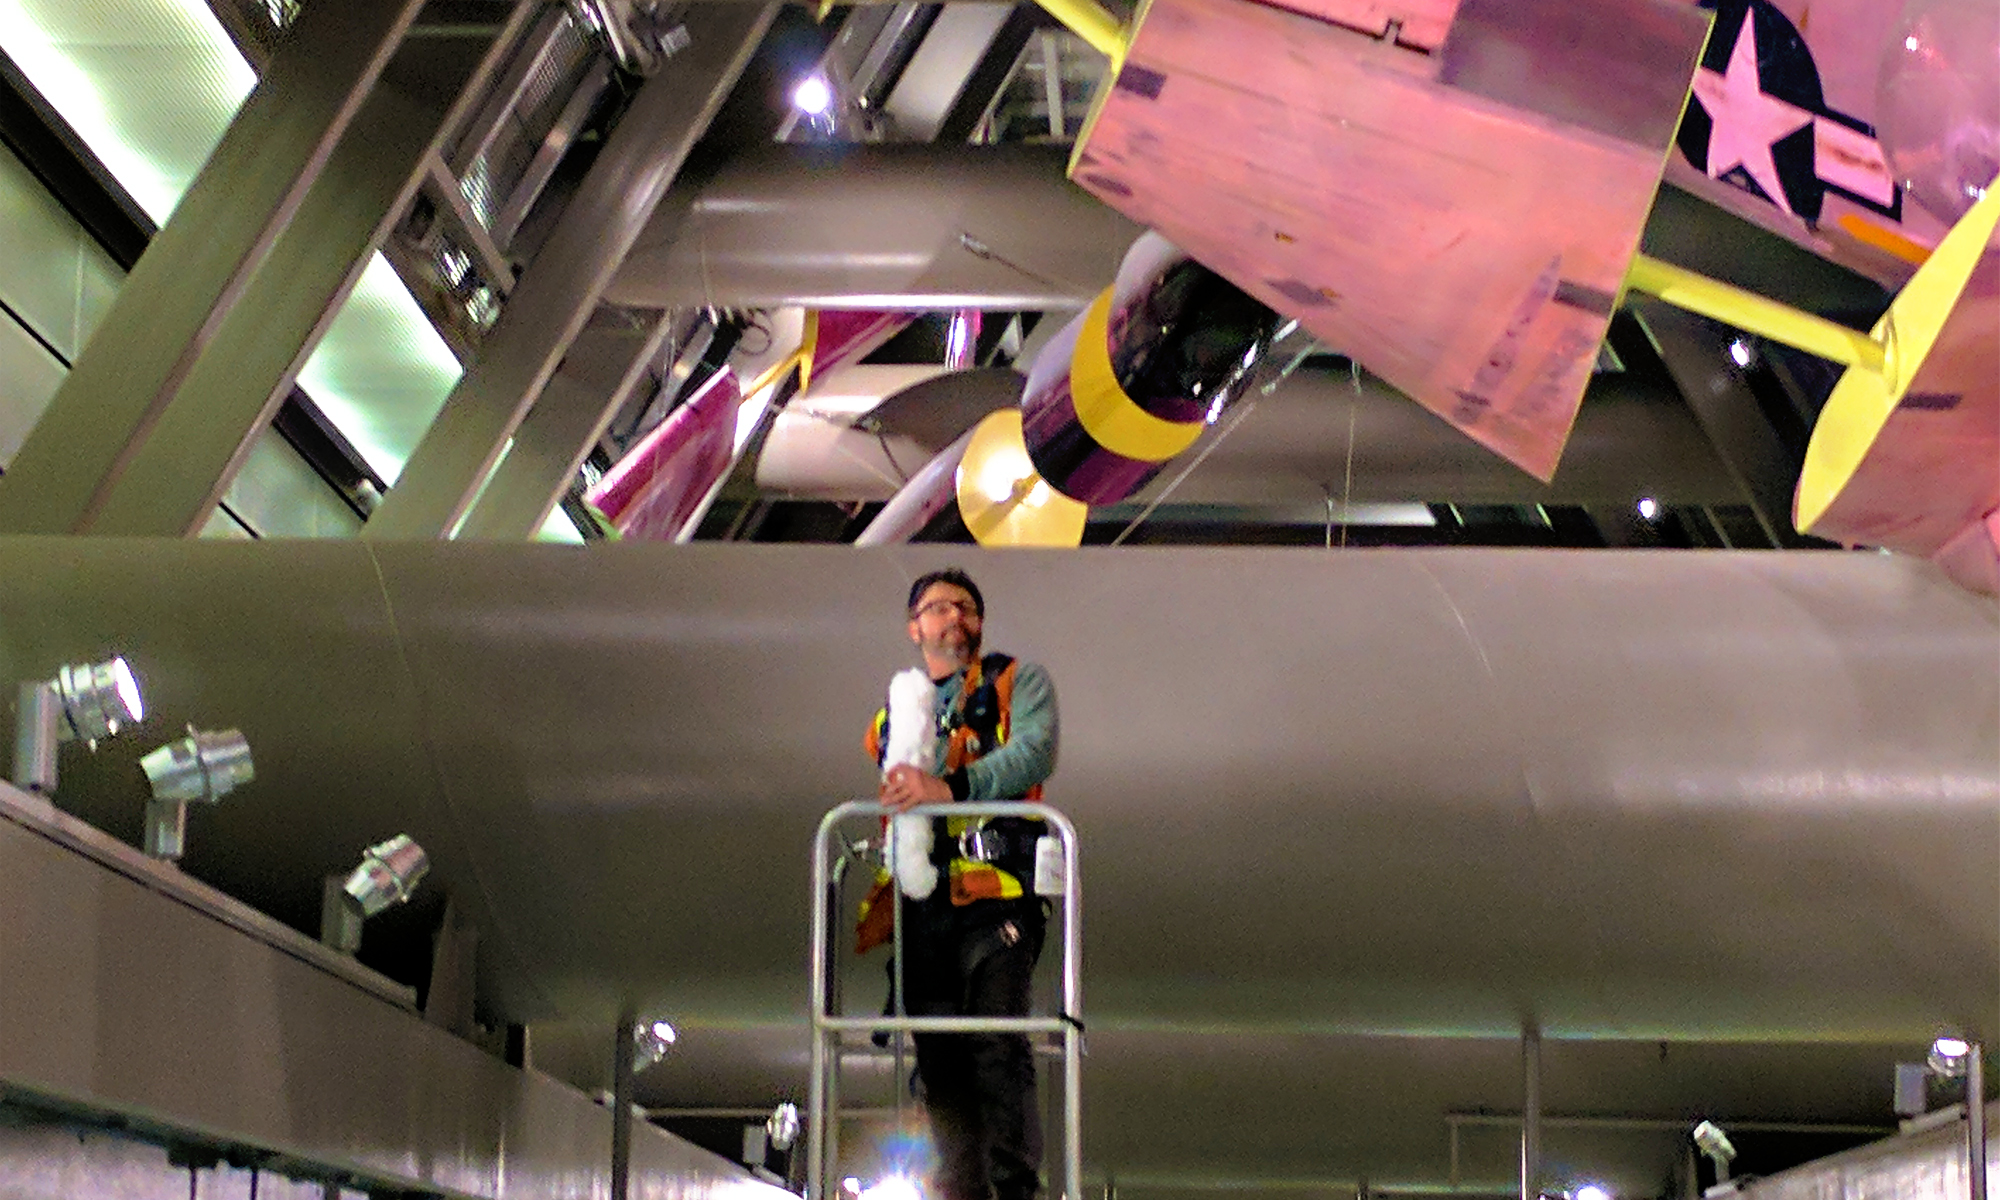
906	787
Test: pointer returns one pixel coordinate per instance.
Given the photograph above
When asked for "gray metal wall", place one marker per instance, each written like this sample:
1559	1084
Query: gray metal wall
61	1161
123	997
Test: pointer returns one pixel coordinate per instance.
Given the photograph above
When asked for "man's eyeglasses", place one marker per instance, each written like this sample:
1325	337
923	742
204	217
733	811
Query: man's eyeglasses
937	608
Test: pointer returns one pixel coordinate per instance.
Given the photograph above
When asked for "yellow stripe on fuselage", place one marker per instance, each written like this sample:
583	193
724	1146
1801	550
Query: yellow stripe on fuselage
1107	414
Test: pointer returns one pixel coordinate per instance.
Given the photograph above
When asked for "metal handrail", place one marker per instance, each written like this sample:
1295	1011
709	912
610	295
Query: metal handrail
822	1129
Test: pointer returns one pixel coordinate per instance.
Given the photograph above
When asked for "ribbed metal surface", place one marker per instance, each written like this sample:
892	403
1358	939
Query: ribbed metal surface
492	176
149	85
1926	1166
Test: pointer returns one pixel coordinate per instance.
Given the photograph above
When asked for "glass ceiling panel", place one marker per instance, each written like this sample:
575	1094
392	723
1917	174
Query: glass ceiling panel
381	372
150	86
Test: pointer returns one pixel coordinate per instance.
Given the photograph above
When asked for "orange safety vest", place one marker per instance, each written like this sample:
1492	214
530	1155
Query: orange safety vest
985	709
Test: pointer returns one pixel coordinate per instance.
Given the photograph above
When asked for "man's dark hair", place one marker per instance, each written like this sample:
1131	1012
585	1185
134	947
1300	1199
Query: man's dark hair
954	576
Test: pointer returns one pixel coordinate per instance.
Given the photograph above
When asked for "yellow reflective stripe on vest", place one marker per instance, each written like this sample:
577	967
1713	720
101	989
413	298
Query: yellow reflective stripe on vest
967	875
1107	414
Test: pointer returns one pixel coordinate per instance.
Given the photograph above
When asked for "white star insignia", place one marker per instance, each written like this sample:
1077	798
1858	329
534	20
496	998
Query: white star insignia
1745	121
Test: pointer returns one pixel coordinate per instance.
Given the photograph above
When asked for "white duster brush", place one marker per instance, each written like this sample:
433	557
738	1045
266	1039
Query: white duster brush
912	742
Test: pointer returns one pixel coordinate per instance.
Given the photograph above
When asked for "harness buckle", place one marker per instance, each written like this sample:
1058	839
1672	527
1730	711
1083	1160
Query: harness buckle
978	845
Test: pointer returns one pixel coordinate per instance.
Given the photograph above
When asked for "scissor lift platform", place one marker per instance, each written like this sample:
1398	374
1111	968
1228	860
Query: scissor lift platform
829	1025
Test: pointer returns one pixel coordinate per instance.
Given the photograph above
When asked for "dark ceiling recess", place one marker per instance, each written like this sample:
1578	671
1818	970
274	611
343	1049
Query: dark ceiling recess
762	97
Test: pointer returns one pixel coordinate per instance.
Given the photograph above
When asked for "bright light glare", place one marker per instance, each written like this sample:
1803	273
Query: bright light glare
851	1186
895	1187
958	341
1949	1055
1739	352
128	691
1649	507
812	96
999	480
1592	1191
664	1031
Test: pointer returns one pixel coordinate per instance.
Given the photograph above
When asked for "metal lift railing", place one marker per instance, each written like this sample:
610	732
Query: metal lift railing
823	1101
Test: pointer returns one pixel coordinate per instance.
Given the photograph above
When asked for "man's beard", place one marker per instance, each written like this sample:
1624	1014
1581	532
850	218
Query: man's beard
964	652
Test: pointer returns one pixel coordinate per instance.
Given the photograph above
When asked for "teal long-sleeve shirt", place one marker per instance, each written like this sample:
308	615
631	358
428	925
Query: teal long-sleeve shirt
1029	755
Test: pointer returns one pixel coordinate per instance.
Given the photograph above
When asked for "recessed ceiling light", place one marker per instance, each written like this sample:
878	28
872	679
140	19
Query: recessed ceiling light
812	96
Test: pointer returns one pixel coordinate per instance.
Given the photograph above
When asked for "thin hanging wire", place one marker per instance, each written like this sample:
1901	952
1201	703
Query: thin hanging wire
1248	407
1347	488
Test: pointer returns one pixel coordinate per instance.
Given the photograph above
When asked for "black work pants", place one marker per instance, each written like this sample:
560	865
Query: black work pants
977	960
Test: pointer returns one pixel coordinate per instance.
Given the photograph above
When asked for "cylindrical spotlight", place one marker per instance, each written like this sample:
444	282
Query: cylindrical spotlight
388	874
650	1041
782	1126
86	703
202	768
1713	1142
98	700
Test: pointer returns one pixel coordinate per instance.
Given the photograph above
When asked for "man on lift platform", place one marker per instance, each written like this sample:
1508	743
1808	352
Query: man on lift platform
970	948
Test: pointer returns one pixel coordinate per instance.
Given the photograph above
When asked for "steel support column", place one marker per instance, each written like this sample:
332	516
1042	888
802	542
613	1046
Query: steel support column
1531	1113
622	1050
561	287
174	480
1975	1121
195	272
553	441
449	1003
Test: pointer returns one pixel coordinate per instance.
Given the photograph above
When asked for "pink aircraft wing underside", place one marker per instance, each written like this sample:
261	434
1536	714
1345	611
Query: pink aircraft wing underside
1465	250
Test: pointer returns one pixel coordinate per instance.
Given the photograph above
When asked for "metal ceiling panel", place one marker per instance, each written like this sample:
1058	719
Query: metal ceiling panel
149	85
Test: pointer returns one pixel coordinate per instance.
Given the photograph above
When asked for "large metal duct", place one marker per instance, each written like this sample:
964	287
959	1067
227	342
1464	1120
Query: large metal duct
1329	800
884	226
1715	793
862	432
1633	437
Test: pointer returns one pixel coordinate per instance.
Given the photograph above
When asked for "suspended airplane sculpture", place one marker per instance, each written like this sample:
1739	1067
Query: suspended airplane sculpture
1452	193
1804	110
